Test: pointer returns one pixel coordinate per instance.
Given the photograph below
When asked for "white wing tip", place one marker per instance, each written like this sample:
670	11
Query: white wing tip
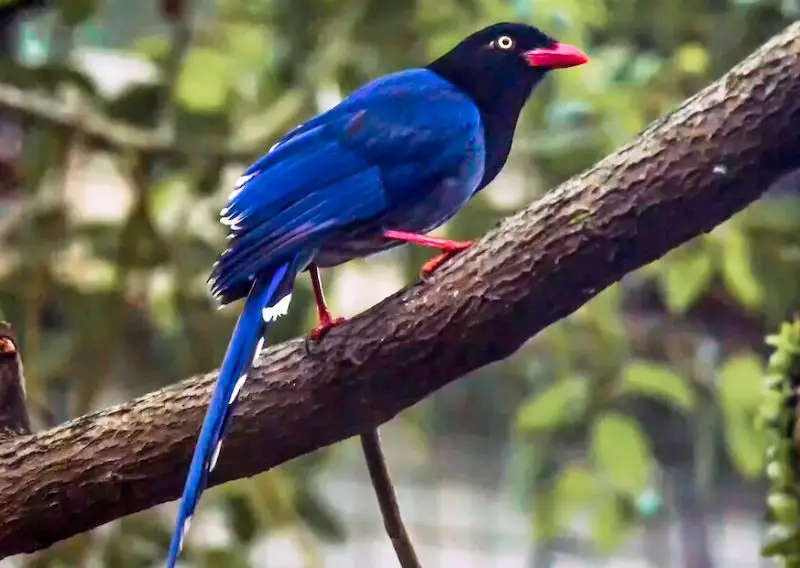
259	348
237	388
240	183
184	532
231	222
272	313
214	457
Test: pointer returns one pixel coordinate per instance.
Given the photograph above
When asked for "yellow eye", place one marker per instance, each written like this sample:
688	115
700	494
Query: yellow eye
504	42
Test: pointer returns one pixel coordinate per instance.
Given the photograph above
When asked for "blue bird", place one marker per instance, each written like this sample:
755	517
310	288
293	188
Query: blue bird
392	161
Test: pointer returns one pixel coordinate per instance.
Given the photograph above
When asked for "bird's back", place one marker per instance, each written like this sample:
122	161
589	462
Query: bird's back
431	154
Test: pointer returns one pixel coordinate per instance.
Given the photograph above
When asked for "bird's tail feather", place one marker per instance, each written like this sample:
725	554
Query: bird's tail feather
268	299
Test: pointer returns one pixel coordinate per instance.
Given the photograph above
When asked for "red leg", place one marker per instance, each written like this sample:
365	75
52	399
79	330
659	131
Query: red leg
326	321
449	248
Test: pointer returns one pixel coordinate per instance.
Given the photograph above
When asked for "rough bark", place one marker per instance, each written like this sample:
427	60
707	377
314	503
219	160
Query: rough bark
681	177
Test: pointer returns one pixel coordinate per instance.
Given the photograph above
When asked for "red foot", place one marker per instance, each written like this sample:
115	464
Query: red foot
326	321
433	264
449	248
324	327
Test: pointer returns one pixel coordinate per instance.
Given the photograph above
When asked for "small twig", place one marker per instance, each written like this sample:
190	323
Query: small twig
387	500
104	133
14	420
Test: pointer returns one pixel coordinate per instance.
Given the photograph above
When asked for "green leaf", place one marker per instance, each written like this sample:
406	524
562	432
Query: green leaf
573	491
621	452
247	42
737	270
610	527
559	404
684	277
739	383
692	58
782	541
746	444
154	47
205	81
545	517
657	381
740	393
576	484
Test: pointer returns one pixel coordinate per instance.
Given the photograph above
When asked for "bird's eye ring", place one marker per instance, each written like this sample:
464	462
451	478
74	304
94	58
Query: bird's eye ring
504	42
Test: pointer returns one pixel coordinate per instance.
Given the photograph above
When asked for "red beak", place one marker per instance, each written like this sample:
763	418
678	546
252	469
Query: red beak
557	56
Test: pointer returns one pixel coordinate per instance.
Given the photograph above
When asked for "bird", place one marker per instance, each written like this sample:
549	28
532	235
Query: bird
392	161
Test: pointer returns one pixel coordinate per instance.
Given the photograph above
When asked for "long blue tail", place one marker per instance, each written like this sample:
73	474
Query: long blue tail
268	299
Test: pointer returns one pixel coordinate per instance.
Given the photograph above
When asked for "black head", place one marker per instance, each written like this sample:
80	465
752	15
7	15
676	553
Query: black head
504	57
498	67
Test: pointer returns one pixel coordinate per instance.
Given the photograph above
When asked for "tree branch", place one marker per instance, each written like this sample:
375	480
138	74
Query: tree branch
14	419
681	177
103	133
387	500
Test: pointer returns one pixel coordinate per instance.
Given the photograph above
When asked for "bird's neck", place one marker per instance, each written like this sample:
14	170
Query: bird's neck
499	119
500	100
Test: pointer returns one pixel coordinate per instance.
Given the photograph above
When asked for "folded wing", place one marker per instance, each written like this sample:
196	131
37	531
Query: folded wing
387	143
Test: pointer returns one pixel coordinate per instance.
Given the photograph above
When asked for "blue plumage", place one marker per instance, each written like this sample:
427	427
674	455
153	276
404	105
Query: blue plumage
268	299
404	152
395	159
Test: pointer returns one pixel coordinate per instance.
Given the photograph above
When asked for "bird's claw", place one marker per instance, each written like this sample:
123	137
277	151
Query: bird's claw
324	326
437	261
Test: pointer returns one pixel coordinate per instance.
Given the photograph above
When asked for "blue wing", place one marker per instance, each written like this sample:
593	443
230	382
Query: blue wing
388	143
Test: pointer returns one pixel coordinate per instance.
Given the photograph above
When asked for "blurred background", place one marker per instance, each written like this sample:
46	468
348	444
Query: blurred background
621	436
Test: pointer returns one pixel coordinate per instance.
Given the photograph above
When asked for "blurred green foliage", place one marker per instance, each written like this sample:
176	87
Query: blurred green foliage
112	305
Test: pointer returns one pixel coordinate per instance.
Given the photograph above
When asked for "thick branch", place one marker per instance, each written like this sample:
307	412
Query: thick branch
680	178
